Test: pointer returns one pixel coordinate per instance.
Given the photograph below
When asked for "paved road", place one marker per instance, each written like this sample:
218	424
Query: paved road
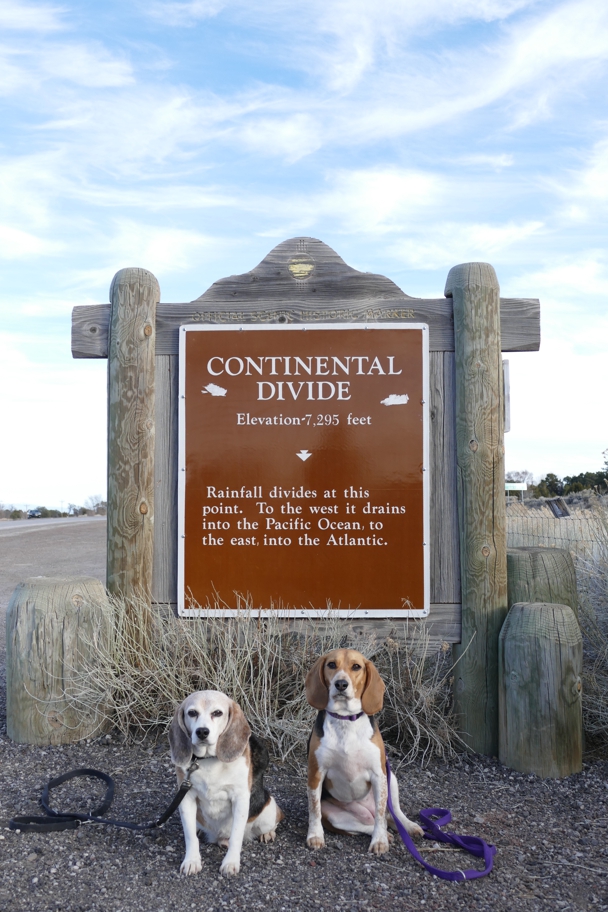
48	547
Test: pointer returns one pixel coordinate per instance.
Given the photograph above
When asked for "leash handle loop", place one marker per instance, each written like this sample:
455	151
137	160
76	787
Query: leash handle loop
432	820
75	774
54	821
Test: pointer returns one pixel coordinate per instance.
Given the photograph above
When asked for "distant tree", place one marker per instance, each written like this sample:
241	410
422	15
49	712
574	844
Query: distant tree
549	486
96	504
521	476
552	486
16	514
586	481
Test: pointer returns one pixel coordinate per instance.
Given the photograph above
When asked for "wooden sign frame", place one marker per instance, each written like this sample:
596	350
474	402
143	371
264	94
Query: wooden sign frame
302	280
395	448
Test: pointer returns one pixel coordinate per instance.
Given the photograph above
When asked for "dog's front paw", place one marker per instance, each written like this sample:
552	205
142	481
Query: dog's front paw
379	846
230	868
191	865
315	842
414	830
268	837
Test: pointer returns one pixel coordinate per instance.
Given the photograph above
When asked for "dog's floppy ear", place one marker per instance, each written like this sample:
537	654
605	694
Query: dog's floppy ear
235	737
372	698
179	739
317	691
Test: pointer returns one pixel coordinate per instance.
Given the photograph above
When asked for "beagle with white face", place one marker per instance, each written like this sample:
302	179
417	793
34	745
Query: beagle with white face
347	788
227	801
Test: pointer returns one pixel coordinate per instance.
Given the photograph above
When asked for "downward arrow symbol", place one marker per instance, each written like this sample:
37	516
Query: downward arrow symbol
303	455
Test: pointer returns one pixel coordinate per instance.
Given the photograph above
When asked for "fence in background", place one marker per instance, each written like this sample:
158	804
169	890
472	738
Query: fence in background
584	532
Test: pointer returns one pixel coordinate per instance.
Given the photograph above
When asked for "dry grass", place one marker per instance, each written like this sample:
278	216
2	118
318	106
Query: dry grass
155	659
592	576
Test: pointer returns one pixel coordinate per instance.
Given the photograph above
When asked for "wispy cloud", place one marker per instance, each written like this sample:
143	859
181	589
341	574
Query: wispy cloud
16	244
525	67
573	278
184	14
31	17
496	162
444	244
91	66
29	69
585	190
409	136
163	248
379	200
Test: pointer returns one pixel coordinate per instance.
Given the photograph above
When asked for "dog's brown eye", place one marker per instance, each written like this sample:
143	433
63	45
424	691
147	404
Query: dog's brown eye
356	667
192	713
331	665
217	712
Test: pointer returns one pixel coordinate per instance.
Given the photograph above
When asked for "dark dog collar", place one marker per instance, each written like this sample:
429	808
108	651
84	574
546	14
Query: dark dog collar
346	718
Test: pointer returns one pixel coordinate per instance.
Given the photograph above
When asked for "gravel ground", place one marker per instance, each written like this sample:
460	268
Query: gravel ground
550	835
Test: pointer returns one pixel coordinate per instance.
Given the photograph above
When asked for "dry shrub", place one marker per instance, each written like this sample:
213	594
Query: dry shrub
417	717
592	577
154	660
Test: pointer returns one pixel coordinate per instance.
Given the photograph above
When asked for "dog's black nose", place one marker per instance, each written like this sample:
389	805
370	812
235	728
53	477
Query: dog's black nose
341	684
201	733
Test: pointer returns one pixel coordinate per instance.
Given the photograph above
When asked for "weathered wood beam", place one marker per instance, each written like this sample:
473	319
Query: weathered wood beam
134	294
481	500
519	318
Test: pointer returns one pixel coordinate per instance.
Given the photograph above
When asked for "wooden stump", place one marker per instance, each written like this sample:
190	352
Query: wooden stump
54	628
540	661
542	575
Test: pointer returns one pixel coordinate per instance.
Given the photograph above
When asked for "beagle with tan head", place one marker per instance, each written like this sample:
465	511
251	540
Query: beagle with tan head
227	801
347	789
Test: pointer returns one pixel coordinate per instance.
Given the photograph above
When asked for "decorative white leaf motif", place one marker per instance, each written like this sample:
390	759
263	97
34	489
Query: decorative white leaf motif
214	390
394	399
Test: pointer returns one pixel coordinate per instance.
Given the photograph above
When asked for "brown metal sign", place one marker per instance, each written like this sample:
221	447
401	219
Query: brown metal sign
304	469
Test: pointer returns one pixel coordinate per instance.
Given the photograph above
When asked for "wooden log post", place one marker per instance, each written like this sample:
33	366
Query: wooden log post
134	295
540	690
54	631
481	500
542	575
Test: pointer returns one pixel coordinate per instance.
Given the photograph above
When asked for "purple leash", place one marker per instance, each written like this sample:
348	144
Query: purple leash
472	844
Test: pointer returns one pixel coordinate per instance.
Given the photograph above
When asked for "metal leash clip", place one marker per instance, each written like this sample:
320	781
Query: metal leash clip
191	769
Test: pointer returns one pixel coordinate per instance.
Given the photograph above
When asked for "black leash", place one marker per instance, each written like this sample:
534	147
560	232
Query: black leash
57	820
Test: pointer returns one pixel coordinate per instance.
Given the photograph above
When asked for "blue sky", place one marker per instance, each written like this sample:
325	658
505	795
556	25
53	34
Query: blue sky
191	137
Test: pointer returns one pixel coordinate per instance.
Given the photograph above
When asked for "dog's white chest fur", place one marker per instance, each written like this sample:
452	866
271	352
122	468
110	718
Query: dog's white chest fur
216	784
348	757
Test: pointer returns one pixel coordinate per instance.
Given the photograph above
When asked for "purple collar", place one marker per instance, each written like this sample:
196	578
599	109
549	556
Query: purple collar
345	718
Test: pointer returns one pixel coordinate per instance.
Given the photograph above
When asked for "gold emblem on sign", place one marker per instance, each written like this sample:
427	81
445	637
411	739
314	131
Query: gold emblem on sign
301	266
